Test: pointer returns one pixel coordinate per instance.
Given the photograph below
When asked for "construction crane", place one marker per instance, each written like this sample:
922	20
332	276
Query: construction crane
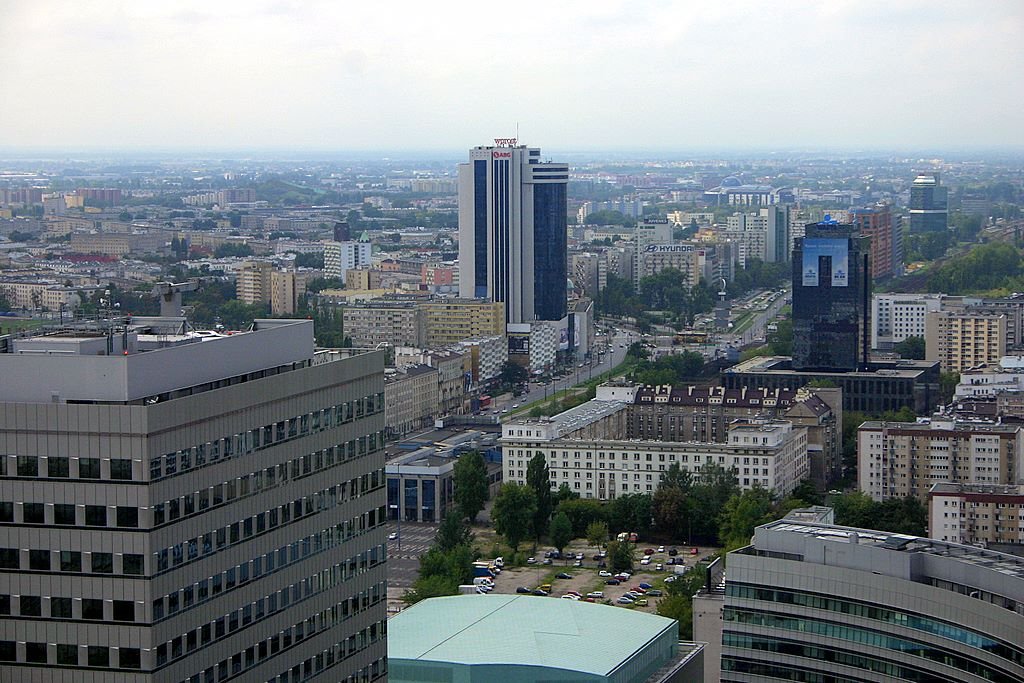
169	294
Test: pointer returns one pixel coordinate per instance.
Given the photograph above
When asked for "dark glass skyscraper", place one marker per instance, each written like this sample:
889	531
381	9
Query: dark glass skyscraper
831	286
928	204
512	231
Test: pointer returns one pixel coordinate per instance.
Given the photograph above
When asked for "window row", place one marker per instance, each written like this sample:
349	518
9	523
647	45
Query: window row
267	478
71	561
243	530
213	631
69	514
246	659
94	609
63	467
69	654
245	443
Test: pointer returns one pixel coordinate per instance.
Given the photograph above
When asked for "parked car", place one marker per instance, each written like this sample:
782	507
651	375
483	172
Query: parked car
579	556
546	587
645	585
623	576
624	601
393	536
548	560
595	594
578	563
648	551
539	592
604	573
673	551
661	548
570	596
612	582
523	590
659	567
654	593
563	575
641	602
645	561
670	579
694	551
531	560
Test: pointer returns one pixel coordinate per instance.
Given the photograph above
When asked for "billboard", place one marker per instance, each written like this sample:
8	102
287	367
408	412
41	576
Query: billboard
836	249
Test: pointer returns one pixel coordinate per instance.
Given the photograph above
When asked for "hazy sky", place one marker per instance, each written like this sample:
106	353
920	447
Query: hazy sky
387	75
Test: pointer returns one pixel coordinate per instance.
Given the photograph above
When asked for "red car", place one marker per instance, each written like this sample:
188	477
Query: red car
693	551
649	551
638	589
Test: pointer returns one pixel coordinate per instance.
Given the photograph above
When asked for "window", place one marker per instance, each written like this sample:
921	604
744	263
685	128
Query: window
35	653
60	608
67	654
89	468
7	651
92	609
39	560
124	610
33	513
70	561
5	603
31	606
132	564
127	516
28	466
64	514
57	467
95	515
103	563
6	512
99	655
121	469
129	658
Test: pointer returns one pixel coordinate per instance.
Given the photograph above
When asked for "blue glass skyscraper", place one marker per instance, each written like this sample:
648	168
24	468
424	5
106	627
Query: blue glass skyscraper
512	231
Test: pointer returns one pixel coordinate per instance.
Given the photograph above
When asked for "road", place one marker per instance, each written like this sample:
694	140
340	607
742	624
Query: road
404	552
757	331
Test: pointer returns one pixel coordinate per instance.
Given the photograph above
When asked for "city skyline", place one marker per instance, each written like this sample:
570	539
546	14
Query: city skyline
612	77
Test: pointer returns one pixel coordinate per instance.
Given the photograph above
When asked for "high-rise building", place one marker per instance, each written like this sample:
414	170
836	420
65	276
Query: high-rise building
830	293
811	601
928	204
340	257
961	340
885	232
512	231
191	507
765	234
977	514
896	317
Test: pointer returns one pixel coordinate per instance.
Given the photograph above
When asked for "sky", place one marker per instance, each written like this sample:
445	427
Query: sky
565	74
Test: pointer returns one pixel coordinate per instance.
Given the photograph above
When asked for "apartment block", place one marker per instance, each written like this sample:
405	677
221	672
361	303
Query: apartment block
410	398
487	355
896	459
449	321
960	341
895	317
383	322
977	514
340	257
191	507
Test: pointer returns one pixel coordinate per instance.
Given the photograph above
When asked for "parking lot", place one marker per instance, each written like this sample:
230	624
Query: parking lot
404	552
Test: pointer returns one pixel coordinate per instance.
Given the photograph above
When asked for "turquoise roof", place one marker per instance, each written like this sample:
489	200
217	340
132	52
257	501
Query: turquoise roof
522	630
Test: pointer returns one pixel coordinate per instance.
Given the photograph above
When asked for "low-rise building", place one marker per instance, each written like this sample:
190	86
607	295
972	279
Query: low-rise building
977	514
410	398
487	354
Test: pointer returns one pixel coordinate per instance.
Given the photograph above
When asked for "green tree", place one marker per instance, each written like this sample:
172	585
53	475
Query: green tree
470	479
742	513
597	533
512	374
671	507
620	556
807	493
713	487
947	385
430	587
780	341
911	348
453	531
631	512
560	531
230	249
564	493
678	604
581	512
538	478
513	513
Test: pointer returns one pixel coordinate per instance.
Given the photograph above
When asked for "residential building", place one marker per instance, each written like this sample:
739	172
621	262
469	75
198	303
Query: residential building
448	321
812	601
583	271
929	207
362	278
119	244
104	195
391	323
690	259
410	398
286	290
895	317
253	282
649	231
533	345
989	380
341	257
960	341
896	459
990	516
454	374
830	288
191	507
47	296
587	450
453	639
764	234
512	231
487	355
884	230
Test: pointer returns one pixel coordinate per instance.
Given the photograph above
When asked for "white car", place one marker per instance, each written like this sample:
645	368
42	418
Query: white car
393	536
661	548
659	567
595	594
604	573
646	560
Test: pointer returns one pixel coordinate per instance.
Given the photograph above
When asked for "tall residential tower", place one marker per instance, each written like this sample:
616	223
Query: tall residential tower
512	231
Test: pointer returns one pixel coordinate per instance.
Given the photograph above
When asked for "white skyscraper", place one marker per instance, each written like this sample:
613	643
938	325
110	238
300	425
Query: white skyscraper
512	231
